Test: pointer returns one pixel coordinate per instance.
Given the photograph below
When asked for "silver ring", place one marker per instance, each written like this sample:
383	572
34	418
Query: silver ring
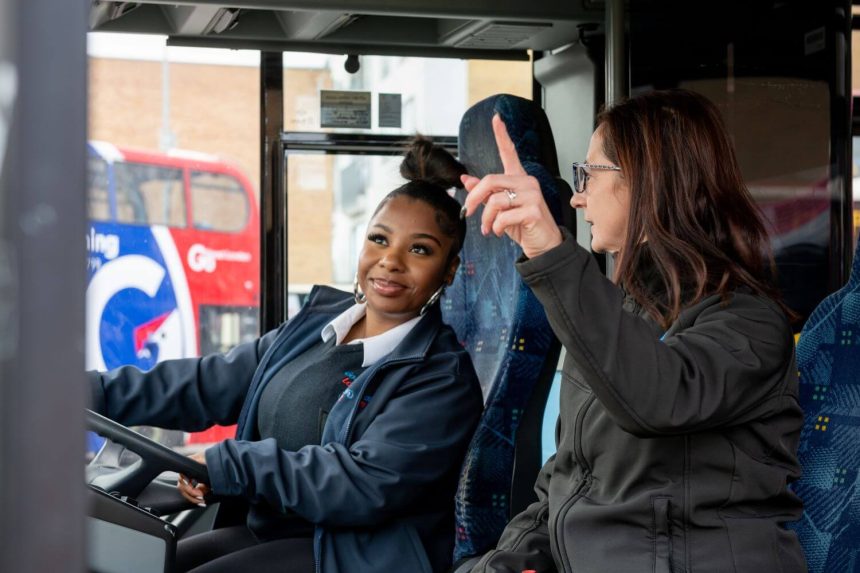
511	196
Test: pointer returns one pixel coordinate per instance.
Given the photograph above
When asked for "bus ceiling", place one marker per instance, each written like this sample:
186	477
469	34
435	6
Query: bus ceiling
479	29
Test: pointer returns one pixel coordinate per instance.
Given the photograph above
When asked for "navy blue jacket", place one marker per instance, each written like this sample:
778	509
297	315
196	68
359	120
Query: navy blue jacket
381	487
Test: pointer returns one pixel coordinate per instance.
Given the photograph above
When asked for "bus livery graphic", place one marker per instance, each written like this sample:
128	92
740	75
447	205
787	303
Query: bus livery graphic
172	259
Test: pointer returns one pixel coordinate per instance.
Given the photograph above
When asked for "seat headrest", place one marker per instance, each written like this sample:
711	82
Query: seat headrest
488	295
527	125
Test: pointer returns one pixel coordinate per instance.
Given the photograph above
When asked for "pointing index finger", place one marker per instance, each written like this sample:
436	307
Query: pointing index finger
507	151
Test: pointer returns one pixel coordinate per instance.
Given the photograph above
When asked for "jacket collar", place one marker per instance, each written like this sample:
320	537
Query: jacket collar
649	279
374	347
331	302
652	283
416	344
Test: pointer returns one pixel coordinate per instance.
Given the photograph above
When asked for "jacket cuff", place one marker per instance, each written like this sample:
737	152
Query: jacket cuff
565	253
219	480
98	401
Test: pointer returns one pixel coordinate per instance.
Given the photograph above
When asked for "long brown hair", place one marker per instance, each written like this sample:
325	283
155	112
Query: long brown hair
691	216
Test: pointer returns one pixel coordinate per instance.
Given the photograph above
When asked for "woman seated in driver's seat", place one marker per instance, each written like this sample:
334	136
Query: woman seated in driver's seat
353	417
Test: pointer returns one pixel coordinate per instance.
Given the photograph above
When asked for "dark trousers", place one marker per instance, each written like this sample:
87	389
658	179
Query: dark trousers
236	549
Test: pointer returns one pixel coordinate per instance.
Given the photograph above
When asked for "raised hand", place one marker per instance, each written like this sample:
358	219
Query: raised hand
513	202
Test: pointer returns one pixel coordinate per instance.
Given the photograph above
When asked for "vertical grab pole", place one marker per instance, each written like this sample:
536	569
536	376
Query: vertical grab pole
616	69
273	204
616	53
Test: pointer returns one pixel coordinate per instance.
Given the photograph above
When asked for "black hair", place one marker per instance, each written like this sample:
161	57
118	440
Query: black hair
431	171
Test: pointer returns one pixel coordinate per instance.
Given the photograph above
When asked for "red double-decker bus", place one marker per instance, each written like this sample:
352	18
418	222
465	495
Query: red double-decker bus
173	260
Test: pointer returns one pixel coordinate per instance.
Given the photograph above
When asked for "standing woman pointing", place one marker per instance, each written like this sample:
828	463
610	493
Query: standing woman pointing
679	418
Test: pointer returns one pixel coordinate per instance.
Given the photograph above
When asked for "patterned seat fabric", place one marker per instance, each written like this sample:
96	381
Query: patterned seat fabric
828	357
498	320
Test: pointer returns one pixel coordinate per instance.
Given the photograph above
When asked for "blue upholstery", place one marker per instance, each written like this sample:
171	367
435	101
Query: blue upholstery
498	320
828	357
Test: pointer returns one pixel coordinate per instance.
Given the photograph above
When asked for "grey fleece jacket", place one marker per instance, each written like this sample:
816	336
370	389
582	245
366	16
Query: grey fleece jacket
674	449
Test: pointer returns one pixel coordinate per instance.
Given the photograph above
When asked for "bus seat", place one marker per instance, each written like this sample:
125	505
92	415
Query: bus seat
828	359
503	326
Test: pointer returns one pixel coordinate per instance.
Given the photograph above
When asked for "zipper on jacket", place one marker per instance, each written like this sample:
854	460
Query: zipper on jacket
558	525
542	515
319	531
318	539
360	395
577	435
558	539
661	515
353	411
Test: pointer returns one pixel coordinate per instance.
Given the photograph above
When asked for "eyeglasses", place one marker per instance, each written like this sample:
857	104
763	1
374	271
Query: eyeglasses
580	174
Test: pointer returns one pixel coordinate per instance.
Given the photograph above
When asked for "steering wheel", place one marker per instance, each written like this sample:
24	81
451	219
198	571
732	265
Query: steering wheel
154	459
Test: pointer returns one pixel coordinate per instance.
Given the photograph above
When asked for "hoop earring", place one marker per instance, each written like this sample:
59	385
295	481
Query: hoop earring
359	296
432	301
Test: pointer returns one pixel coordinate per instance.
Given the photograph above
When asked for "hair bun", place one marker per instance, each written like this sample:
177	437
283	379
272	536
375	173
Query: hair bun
429	163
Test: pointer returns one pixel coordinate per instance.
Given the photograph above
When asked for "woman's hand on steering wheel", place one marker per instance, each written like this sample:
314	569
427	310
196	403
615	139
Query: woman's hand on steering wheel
192	490
513	202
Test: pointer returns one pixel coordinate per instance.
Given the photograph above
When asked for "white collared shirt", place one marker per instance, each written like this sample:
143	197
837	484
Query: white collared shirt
375	347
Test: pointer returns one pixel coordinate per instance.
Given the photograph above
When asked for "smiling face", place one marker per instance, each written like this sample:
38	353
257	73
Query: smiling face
606	201
404	260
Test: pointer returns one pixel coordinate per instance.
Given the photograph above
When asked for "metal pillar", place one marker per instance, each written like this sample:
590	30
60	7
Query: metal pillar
42	276
273	202
616	53
617	73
